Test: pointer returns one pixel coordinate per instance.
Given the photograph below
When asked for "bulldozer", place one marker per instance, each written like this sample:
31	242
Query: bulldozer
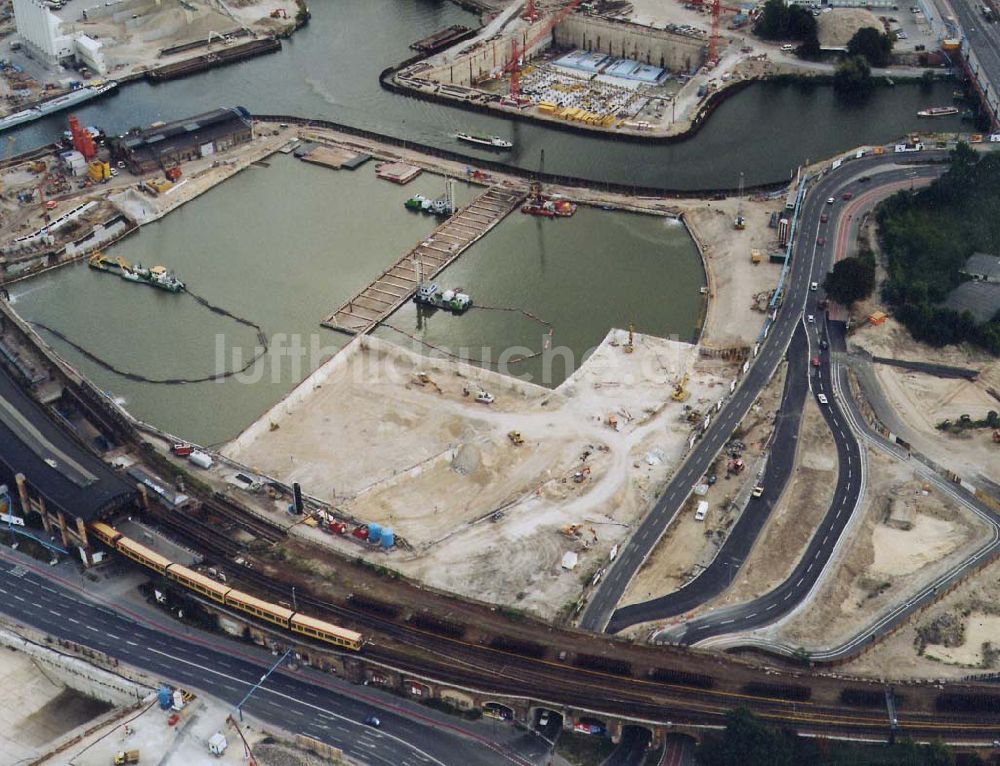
515	438
571	530
681	393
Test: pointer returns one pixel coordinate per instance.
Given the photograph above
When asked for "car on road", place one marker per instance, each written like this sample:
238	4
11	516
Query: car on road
820	241
814	286
830	200
824	218
373	721
810	318
847	195
815	361
864	179
758	490
823	344
822	399
543	720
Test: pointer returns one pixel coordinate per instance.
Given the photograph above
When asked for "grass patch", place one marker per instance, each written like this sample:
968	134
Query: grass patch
584	749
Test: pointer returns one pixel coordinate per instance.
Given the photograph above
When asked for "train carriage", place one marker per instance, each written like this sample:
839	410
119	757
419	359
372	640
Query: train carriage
325	631
106	533
145	556
259	608
198	582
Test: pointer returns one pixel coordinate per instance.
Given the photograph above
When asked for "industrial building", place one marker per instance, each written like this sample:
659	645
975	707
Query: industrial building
52	474
164	145
41	37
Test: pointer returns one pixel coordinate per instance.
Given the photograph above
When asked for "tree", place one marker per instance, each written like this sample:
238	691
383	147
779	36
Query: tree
851	280
809	49
780	21
853	77
747	741
875	46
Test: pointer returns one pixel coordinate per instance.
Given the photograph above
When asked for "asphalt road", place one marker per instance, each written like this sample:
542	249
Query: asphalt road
983	37
809	263
631	750
305	701
719	574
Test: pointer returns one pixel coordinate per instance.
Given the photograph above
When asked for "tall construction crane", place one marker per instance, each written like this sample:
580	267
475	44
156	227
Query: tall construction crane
717	8
536	33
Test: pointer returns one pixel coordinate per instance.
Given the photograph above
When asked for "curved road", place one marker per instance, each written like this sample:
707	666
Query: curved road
809	264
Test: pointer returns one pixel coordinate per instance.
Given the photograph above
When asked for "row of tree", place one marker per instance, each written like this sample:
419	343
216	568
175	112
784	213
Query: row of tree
748	741
927	238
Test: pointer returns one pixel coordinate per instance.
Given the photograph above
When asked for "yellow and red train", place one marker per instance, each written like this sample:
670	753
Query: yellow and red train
223	594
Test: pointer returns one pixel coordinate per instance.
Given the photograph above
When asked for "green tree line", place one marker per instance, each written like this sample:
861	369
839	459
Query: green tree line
927	237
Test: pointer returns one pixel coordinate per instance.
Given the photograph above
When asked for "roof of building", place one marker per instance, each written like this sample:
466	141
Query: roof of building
163	138
981	299
58	467
983	263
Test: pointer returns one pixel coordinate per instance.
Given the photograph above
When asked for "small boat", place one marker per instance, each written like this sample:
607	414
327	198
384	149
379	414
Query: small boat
429	294
938	111
491	142
548	208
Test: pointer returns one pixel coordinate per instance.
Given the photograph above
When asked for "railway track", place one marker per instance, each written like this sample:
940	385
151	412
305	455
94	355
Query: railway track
220	505
476	665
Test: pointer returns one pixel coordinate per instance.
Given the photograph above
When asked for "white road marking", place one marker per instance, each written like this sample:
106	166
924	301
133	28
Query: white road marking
265	690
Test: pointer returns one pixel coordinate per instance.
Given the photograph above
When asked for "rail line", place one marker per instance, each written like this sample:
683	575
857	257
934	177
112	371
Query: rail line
515	675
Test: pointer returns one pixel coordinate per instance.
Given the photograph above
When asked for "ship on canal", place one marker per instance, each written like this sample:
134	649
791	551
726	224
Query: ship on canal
157	276
57	104
429	294
490	142
938	111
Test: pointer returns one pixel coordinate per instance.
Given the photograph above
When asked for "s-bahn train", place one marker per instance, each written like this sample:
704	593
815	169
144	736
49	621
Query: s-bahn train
223	594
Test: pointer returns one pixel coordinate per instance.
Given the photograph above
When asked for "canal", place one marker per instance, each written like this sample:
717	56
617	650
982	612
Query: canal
286	244
330	70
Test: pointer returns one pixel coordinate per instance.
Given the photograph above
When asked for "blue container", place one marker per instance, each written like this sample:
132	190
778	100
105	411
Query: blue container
388	538
374	533
165	697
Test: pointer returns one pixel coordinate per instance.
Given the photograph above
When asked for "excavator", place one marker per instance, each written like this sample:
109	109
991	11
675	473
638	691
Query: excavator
681	393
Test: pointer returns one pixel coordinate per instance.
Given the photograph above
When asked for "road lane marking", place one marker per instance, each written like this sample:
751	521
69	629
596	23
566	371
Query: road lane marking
265	690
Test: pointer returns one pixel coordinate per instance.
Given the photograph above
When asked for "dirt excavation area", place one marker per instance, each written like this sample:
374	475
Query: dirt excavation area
487	499
739	288
690	545
133	37
906	535
924	401
836	28
957	635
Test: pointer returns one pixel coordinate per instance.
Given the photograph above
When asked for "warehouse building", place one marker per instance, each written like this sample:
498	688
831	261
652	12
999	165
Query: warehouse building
164	145
49	472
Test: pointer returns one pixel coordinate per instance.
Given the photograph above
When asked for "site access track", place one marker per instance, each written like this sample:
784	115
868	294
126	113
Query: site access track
805	268
390	289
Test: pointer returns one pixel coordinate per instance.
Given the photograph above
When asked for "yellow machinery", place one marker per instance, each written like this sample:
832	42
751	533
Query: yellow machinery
99	171
515	438
630	346
680	393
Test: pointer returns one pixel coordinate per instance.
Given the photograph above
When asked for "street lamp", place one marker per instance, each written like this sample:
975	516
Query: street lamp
256	686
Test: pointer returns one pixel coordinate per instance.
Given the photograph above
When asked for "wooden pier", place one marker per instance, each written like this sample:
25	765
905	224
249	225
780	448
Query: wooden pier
394	286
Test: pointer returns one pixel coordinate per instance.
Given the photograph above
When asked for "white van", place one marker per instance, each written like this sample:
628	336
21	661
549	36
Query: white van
787	47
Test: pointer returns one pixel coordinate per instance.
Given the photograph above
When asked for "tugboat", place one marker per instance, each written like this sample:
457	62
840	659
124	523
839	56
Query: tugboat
490	142
938	111
429	294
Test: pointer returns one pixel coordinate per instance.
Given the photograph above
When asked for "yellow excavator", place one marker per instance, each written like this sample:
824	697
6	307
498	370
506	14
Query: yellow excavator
681	393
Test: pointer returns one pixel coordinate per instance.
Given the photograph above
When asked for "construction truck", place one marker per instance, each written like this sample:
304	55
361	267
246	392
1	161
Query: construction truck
126	756
515	438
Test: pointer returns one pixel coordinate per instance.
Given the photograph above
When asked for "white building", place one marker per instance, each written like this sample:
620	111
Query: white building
40	31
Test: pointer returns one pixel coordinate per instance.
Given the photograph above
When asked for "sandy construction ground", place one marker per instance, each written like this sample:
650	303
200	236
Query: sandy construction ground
883	562
922	401
966	618
134	43
836	28
483	516
732	318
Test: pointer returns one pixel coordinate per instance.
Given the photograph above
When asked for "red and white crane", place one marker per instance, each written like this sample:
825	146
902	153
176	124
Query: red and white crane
540	28
717	8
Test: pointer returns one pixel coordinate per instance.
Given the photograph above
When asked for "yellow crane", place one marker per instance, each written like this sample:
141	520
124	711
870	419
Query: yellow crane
680	393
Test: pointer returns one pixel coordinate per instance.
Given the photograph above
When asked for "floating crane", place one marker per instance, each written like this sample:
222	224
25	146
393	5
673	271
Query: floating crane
517	52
